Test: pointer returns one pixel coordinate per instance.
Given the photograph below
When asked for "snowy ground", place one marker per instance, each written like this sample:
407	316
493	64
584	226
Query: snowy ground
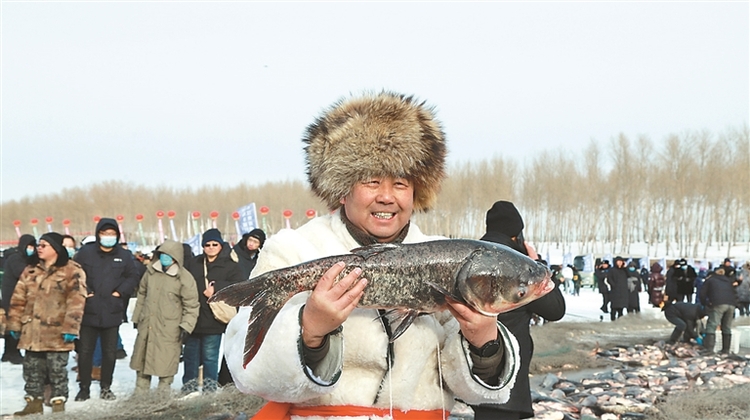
583	308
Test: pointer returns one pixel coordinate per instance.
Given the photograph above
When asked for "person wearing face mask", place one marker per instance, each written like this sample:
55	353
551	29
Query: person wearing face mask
166	312
45	316
69	243
14	265
111	275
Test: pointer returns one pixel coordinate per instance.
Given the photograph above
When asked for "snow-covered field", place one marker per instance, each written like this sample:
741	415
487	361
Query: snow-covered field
583	308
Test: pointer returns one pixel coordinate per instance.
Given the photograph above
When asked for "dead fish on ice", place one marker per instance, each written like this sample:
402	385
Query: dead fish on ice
406	279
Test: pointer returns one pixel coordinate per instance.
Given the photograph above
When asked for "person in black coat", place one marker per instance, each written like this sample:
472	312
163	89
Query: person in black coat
25	254
248	249
679	284
505	226
111	276
634	288
213	270
719	296
617	282
600	274
685	317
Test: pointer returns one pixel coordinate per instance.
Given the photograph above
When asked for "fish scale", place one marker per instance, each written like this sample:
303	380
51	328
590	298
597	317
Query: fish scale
407	279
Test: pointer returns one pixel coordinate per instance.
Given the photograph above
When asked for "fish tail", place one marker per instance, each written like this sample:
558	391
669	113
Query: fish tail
258	324
243	293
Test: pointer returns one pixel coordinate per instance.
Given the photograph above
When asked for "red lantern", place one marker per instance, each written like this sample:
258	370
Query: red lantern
196	215
214	214
66	222
264	210
16	223
120	218
97	219
171	214
48	219
139	217
310	213
236	215
34	222
159	214
287	214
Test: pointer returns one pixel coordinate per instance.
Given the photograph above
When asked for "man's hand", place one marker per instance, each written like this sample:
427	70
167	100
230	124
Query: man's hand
330	304
209	289
184	335
478	329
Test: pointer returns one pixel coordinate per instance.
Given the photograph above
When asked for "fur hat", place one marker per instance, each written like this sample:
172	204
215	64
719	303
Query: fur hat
386	134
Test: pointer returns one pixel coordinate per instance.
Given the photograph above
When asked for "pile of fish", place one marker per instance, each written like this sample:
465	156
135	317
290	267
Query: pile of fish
648	373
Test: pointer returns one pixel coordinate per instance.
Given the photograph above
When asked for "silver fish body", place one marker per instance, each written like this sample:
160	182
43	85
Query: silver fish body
406	279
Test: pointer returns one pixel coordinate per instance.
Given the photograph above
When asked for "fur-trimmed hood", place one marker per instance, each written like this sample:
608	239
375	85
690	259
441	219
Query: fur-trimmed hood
386	134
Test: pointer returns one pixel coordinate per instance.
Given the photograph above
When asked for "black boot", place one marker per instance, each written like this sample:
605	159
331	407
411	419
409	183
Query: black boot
84	394
11	353
709	342
726	343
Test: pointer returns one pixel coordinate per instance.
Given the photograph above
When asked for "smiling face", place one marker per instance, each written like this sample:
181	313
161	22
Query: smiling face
380	206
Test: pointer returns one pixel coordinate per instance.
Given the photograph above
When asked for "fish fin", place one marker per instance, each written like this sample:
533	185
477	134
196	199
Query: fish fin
253	293
404	318
445	292
258	324
374	249
244	293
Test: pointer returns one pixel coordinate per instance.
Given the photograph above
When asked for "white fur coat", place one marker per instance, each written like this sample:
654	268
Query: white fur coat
431	367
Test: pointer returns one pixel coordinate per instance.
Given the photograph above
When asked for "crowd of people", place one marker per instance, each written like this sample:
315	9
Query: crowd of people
374	160
685	296
58	299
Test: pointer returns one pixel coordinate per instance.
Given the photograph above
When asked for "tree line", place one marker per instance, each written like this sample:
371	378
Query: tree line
679	196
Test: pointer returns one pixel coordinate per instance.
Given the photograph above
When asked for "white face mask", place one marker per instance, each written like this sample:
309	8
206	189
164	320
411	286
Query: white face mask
108	241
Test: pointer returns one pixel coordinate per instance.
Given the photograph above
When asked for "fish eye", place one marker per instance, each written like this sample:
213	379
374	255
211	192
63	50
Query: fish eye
521	294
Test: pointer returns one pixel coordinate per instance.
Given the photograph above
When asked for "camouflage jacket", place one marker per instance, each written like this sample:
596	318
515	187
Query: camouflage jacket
46	304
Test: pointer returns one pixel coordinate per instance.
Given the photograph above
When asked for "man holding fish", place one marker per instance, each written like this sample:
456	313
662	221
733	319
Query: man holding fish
334	351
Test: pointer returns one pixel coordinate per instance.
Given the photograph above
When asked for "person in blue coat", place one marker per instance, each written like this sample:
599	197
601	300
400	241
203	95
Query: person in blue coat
111	276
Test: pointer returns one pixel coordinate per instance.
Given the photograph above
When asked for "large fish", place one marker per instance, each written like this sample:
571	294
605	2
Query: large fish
405	279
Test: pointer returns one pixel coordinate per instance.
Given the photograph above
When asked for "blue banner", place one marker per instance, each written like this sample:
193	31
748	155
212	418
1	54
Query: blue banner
248	218
195	244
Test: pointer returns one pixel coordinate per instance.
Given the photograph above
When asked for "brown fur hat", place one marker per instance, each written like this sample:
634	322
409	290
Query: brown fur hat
386	134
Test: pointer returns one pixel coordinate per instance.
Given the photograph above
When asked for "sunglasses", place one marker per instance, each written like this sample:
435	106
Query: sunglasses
42	246
211	245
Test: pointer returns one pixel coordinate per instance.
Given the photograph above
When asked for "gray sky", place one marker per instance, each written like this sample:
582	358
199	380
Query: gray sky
190	94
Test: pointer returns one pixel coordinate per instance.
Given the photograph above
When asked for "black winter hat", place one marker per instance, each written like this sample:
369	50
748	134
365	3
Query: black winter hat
56	241
212	235
259	235
503	217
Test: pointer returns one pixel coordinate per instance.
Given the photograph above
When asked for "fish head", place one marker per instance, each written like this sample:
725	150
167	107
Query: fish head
497	279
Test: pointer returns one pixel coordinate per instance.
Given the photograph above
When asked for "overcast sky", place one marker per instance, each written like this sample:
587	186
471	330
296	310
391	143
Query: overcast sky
190	94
